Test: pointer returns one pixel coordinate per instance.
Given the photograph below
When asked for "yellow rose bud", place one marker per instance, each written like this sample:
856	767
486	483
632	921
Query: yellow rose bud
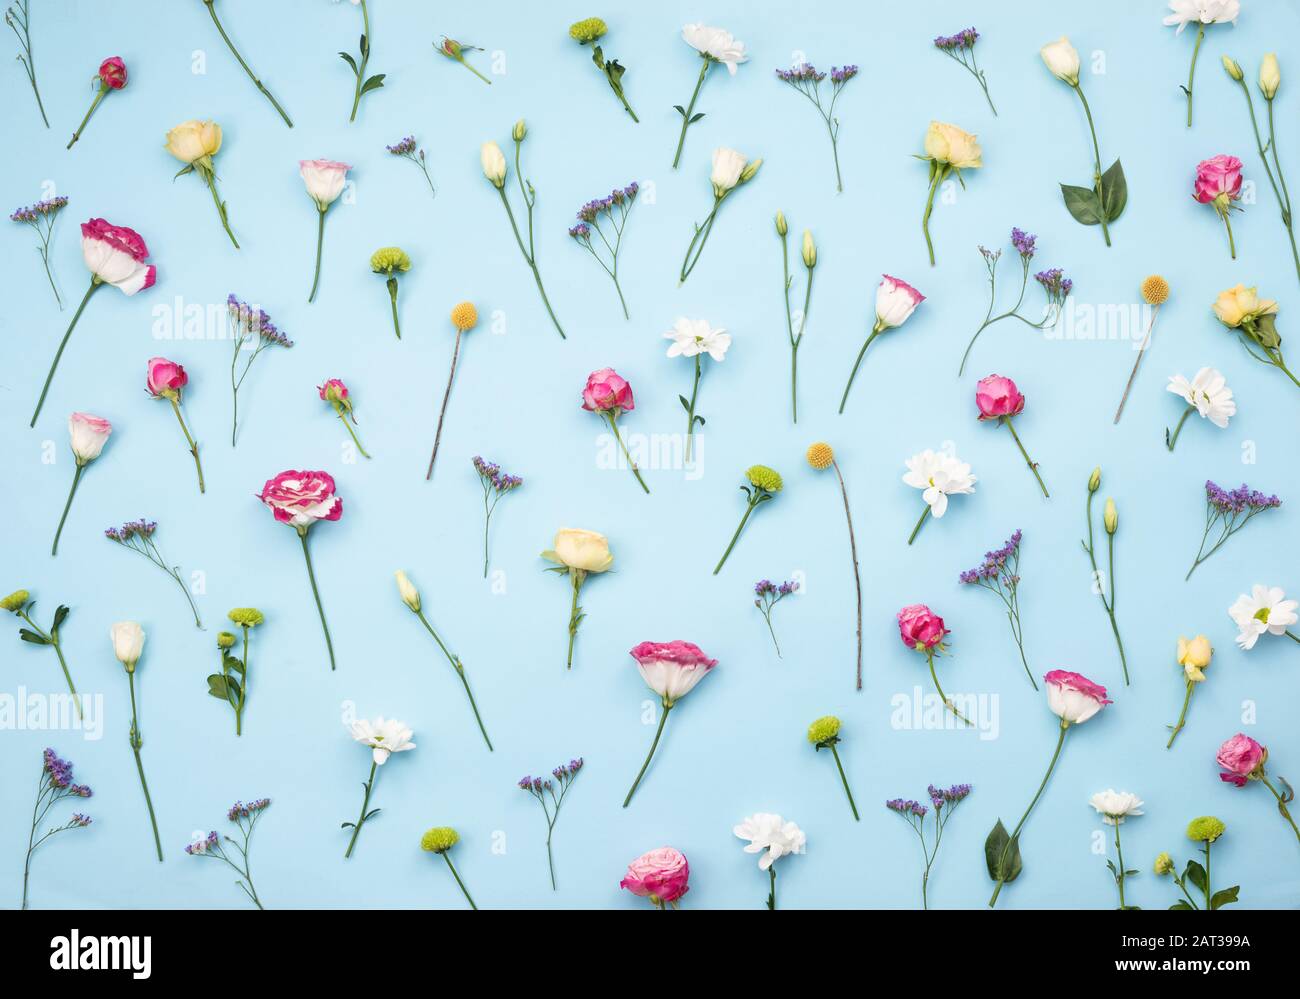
1094	480
951	145
191	141
781	227
519	131
751	168
1195	655
809	250
1232	68
1111	517
587	551
1270	76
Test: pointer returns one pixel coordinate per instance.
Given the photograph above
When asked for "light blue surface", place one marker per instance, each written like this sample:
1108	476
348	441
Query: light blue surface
736	745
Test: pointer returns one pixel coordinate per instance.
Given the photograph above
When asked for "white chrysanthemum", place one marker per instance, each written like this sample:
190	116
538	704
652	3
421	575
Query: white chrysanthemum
1115	806
939	476
1187	12
384	736
1208	391
695	336
1266	609
716	43
772	836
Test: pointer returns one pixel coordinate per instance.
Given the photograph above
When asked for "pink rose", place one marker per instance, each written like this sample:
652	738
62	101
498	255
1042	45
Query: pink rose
1241	757
660	875
333	391
299	499
112	73
88	434
920	628
115	255
607	392
165	378
1072	697
324	180
1219	176
672	669
998	397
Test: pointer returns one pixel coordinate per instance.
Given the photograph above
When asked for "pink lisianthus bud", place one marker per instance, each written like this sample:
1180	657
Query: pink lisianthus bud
1072	697
660	875
607	392
1242	759
920	628
112	73
998	397
165	379
1218	180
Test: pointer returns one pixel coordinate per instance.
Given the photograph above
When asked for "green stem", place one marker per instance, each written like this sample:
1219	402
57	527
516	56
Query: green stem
465	891
194	448
1191	75
690	409
1119	855
578	578
735	537
353	434
1119	643
699	240
1286	196
460	672
315	592
1182	715
1142	350
99	96
251	75
210	179
1006	850
1096	148
1172	439
243	692
446	397
461	60
771	891
875	331
365	804
663	718
917	529
528	259
136	743
845	781
929	657
929	206
1291	635
76	480
767	616
1207	876
1232	246
853	552
1033	465
392	297
1281	807
613	425
95	282
690	108
365	58
320	241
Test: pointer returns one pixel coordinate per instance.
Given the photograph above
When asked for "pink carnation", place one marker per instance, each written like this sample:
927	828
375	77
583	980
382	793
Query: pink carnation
116	255
1241	756
672	669
660	875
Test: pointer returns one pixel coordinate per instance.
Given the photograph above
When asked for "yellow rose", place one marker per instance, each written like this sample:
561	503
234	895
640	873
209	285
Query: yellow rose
1236	305
194	140
579	549
1194	656
949	144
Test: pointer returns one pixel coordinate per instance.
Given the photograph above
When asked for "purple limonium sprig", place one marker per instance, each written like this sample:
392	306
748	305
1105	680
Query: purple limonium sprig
614	207
961	48
807	79
551	793
1055	284
496	484
1000	574
944	802
245	817
767	595
407	150
1227	512
40	217
55	785
137	535
253	329
19	20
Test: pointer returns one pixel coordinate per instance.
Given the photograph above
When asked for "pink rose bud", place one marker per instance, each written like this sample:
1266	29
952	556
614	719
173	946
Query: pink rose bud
112	73
165	378
1217	178
920	628
1072	697
335	392
607	392
660	875
299	499
997	397
1241	758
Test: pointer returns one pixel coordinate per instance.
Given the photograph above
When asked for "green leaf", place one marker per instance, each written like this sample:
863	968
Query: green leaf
1180	904
615	70
999	842
365	45
222	688
1195	873
1266	334
31	636
685	404
61	613
1224	896
374	83
699	419
346	825
1114	191
370	814
231	663
1082	204
696	117
350	61
680	110
598	57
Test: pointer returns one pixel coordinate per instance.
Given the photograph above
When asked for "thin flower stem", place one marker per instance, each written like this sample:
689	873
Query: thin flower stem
1119	855
698	241
1006	850
392	298
767	616
95	282
446	397
465	891
1293	636
353	434
1191	75
947	703
690	109
690	409
365	804
251	75
462	61
1033	465
989	318
613	425
735	537
76	480
575	612
528	256
771	890
99	96
315	592
1172	439
1281	807
1146	342
1182	715
663	718
1119	643
136	743
365	58
243	698
194	448
460	672
19	20
320	242
1232	246
875	331
53	640
929	207
917	529
845	781
1287	217
853	552
210	179
1096	148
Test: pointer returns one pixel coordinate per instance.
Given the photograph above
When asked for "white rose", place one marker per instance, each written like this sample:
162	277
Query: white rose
128	642
1062	59
88	434
728	165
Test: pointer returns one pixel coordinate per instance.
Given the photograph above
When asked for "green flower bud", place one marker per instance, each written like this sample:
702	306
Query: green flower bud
824	730
15	602
1233	70
809	250
1111	517
763	477
439	839
1164	864
246	617
751	168
519	131
781	227
1094	480
587	30
1205	829
225	640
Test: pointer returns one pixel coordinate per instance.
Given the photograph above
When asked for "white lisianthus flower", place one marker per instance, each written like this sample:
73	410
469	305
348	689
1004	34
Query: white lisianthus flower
1265	610
494	163
324	180
128	642
771	836
696	336
1062	60
1270	76
88	434
1116	806
939	476
383	736
1186	12
407	591
728	165
716	44
1208	391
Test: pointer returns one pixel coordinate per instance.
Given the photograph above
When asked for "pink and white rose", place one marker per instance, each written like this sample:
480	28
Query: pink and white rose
324	180
299	499
88	435
1242	759
998	397
116	255
672	669
165	379
660	875
1072	697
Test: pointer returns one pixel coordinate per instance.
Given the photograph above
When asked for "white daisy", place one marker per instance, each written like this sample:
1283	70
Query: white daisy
939	476
1264	610
1186	12
384	736
1115	806
1208	391
695	336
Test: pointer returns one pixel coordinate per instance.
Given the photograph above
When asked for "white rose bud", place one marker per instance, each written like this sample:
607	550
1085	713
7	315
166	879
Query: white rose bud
128	643
494	163
1270	76
809	250
1062	59
410	595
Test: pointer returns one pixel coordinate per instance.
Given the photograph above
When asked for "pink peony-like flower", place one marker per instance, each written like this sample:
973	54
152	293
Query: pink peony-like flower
672	669
116	255
165	378
1072	697
607	392
88	434
112	73
299	499
1219	176
998	397
660	875
920	628
1241	757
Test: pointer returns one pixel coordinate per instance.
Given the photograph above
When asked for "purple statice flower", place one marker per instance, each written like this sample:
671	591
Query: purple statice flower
496	484
80	819
211	843
245	816
940	796
962	40
1056	285
807	79
611	212
40	217
944	802
841	75
552	800
407	149
767	595
253	329
999	573
403	148
56	784
1227	511
800	73
137	535
1023	242
580	231
961	48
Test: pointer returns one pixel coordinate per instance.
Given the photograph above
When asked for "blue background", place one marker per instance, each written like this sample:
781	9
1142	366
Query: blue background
737	745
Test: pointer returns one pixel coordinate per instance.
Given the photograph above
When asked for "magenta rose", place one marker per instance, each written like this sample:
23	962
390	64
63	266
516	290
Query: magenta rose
333	391
660	875
112	73
1218	176
1241	757
997	397
299	499
607	392
165	378
920	628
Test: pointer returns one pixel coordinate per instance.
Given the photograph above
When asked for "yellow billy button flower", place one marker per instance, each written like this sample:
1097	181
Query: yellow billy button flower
821	456
388	261
1155	290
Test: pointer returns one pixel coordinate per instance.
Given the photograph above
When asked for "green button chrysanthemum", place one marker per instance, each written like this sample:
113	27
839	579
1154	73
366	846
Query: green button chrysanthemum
439	839
246	617
823	730
1164	863
1206	829
225	640
587	30
387	259
15	601
764	478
